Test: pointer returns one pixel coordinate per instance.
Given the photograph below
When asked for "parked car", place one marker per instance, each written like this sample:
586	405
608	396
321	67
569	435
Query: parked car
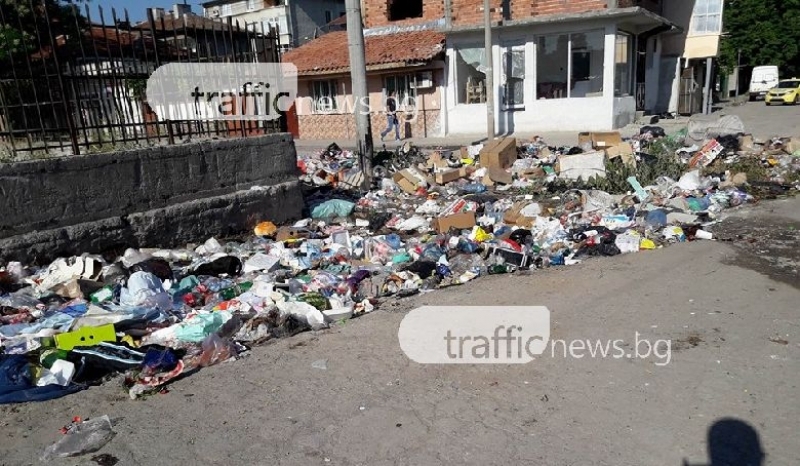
786	92
763	79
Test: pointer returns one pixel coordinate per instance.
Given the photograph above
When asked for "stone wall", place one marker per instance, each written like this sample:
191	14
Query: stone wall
155	197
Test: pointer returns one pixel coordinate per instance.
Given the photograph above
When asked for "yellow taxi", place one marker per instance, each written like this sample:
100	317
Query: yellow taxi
786	92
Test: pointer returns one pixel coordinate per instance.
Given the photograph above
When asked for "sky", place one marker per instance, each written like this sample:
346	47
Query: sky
138	9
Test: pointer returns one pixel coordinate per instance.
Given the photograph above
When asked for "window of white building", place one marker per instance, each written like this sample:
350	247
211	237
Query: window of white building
471	75
623	64
570	65
513	74
707	17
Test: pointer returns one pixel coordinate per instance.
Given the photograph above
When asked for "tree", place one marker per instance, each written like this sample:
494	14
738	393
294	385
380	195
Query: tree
766	32
24	22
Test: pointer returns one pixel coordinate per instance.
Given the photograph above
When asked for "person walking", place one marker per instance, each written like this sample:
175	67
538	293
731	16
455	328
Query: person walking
391	118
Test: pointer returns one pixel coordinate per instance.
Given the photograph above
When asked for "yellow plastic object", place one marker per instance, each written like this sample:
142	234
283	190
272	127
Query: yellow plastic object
481	235
265	229
86	336
647	244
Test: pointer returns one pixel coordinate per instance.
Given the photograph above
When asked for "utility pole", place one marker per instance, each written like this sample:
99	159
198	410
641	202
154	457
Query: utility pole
487	25
738	74
358	72
707	97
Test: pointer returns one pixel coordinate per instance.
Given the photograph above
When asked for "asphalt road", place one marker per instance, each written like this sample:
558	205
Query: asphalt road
728	309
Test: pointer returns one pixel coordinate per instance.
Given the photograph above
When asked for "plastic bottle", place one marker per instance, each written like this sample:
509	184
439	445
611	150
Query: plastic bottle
474	188
500	269
102	295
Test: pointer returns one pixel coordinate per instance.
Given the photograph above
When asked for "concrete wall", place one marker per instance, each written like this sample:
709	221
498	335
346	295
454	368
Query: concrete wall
162	196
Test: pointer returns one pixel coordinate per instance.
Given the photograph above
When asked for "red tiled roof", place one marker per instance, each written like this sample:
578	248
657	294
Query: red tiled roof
329	53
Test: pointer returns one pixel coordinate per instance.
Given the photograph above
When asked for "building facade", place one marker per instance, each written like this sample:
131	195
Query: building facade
681	62
557	65
297	21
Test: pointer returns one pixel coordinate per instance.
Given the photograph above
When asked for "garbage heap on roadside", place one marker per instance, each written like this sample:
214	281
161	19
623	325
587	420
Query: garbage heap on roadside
431	220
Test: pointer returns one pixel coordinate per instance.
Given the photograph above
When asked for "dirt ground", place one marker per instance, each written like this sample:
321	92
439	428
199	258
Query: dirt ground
730	310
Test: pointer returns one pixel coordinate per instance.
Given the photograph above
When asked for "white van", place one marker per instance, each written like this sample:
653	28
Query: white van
764	78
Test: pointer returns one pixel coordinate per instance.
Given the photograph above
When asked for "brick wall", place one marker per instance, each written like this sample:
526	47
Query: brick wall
469	12
341	127
376	14
551	7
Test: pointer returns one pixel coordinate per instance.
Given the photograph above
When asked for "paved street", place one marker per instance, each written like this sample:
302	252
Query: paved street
729	309
762	121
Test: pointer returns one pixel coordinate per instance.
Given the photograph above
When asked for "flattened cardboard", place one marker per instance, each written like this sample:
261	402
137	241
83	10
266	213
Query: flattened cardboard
600	140
460	221
584	166
624	151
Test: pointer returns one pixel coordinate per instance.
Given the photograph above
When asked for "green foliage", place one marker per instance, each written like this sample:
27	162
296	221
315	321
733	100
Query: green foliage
767	32
663	162
23	26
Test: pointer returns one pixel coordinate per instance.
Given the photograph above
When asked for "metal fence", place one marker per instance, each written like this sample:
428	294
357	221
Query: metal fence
73	80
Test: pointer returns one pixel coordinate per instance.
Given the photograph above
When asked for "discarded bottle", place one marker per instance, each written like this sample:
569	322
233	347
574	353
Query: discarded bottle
236	290
500	269
102	295
474	188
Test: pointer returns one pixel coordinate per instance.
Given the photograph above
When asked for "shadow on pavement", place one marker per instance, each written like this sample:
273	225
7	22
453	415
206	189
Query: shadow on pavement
733	442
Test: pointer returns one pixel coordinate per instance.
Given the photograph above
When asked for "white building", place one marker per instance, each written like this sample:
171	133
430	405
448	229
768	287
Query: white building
297	21
555	73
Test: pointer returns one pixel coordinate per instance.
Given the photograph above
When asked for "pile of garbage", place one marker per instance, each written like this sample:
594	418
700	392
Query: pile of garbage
431	220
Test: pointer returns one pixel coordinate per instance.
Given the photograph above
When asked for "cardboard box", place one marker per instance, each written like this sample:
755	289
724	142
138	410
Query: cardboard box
438	160
792	146
513	216
409	180
501	176
583	166
290	234
746	142
624	151
601	140
446	176
500	153
462	221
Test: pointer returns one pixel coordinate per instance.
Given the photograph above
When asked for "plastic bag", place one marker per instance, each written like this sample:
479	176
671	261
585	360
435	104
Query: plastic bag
215	351
332	209
86	437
